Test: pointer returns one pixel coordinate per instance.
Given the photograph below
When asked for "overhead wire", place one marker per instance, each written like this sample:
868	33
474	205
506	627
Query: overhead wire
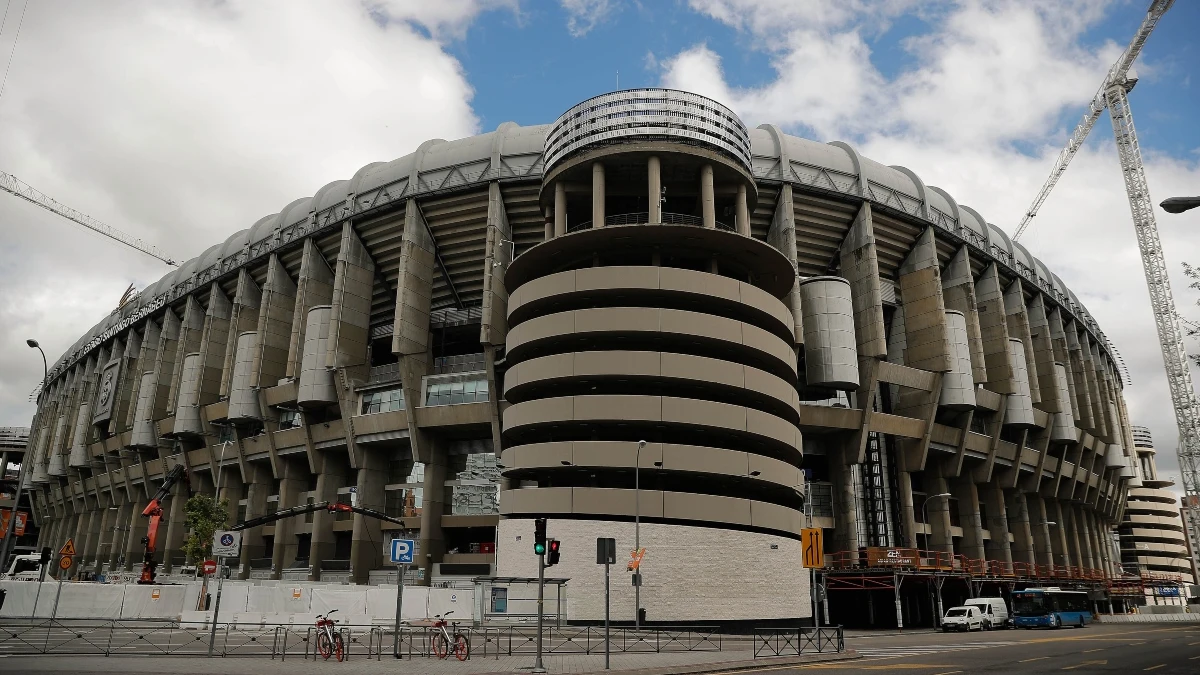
16	38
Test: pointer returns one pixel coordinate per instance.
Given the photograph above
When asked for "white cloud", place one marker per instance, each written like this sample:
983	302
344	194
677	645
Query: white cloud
182	123
986	80
584	15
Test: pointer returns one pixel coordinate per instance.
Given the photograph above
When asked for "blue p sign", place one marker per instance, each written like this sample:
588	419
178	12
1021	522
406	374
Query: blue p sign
402	551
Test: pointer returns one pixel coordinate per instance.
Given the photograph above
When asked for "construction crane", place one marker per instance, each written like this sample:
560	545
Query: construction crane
1118	73
19	188
1114	95
154	511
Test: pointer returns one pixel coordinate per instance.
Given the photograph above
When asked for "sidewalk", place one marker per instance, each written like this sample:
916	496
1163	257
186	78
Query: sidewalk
676	663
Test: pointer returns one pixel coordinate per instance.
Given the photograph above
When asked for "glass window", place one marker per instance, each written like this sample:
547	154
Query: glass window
386	400
289	419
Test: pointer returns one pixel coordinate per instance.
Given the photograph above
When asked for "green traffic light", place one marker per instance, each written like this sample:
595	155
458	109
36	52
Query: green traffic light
539	548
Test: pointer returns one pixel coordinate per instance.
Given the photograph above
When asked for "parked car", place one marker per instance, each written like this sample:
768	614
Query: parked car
962	618
994	611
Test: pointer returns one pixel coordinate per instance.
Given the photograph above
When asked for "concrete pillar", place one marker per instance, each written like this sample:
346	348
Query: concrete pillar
998	547
782	235
174	528
314	287
1017	512
708	199
845	505
967	495
1084	417
860	266
598	194
1084	528
993	330
926	333
433	544
938	511
293	480
1075	549
243	319
1017	318
275	321
91	542
367	535
560	209
331	477
214	344
134	548
191	331
259	486
107	533
654	193
1058	534
1043	543
907	535
958	291
742	212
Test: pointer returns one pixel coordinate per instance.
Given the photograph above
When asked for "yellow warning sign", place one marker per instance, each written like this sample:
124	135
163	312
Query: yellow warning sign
812	547
295	593
155	594
64	563
68	548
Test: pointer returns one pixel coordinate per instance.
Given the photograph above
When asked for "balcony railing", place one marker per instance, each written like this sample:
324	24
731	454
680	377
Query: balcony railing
643	218
463	363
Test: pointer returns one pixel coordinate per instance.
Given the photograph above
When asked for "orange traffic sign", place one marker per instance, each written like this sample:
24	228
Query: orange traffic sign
68	548
812	548
635	559
64	563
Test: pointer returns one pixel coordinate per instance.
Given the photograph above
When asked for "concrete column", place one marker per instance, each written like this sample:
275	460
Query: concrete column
243	319
1043	543
231	488
367	535
91	541
598	194
331	477
708	199
1075	549
314	287
998	547
860	266
293	480
654	189
275	322
908	518
214	344
259	486
1017	512
560	209
1017	319
1058	534
433	544
926	334
845	506
993	330
175	526
742	211
134	548
191	330
958	290
1084	527
967	495
938	511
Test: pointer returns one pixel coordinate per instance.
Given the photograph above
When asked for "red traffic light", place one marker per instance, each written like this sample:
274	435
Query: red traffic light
553	552
554	544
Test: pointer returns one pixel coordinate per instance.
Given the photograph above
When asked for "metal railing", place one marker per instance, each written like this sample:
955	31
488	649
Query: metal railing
151	637
911	559
797	641
643	217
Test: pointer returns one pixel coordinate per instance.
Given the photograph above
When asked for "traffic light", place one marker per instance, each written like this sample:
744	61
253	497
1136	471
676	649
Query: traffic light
552	556
539	536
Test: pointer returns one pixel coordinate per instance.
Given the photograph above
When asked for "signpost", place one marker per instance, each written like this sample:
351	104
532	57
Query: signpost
210	567
606	554
401	556
67	553
226	544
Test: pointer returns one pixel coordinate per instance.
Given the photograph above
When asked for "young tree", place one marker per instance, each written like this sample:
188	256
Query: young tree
205	515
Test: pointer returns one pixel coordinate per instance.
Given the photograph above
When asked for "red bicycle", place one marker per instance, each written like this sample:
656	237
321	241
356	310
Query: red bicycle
442	639
329	641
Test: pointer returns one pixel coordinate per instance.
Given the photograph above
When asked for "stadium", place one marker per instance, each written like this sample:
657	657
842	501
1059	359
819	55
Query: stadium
643	321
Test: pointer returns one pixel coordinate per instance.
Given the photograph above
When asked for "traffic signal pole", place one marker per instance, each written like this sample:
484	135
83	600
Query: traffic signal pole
537	664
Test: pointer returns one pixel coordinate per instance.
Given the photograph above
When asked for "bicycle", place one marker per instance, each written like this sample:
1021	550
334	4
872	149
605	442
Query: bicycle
442	639
329	641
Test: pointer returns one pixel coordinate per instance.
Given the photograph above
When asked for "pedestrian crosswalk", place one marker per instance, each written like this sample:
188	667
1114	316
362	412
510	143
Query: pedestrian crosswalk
924	650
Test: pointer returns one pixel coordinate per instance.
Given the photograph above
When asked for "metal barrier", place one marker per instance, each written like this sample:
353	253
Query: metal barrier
797	641
106	637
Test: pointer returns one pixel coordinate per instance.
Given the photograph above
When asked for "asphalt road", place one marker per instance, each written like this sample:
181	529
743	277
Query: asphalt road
1116	648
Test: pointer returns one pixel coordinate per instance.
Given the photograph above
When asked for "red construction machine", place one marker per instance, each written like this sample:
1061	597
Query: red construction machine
154	511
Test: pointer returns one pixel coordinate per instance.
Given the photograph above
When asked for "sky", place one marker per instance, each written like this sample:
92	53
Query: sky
183	121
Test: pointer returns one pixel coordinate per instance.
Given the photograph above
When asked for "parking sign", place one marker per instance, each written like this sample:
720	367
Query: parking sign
226	544
402	551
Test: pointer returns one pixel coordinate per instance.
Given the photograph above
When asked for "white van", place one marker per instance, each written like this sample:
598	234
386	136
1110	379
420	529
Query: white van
994	611
23	568
966	618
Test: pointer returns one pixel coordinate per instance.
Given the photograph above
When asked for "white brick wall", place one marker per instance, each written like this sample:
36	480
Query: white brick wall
689	573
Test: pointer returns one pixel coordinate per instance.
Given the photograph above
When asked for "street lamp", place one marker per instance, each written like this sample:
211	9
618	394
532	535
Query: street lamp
10	537
1179	204
925	514
637	530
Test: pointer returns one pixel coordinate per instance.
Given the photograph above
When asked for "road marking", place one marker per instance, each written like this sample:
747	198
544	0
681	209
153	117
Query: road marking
1193	643
1134	644
1103	662
1155	667
1089	651
1038	658
1193	658
949	672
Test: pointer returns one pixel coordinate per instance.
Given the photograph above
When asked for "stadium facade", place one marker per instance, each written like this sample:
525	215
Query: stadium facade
486	330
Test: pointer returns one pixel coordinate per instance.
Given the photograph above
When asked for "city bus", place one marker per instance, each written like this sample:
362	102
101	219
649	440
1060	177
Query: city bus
1051	607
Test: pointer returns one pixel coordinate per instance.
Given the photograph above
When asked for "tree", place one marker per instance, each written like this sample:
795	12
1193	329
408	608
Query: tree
205	515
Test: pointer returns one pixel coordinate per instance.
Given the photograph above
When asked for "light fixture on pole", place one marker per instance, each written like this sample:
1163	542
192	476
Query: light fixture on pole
1179	204
10	535
925	514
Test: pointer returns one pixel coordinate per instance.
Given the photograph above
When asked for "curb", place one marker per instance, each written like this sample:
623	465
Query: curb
728	666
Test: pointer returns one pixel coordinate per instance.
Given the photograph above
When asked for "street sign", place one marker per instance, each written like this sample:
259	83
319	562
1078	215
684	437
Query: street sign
812	548
68	548
402	551
227	544
6	516
635	559
64	563
210	567
606	551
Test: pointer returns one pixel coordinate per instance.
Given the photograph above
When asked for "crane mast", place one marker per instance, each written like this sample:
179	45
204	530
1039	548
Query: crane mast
19	188
1166	321
1118	73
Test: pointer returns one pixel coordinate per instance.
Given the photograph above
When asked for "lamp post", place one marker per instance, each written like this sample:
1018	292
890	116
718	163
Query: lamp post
637	531
10	536
925	514
1179	204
